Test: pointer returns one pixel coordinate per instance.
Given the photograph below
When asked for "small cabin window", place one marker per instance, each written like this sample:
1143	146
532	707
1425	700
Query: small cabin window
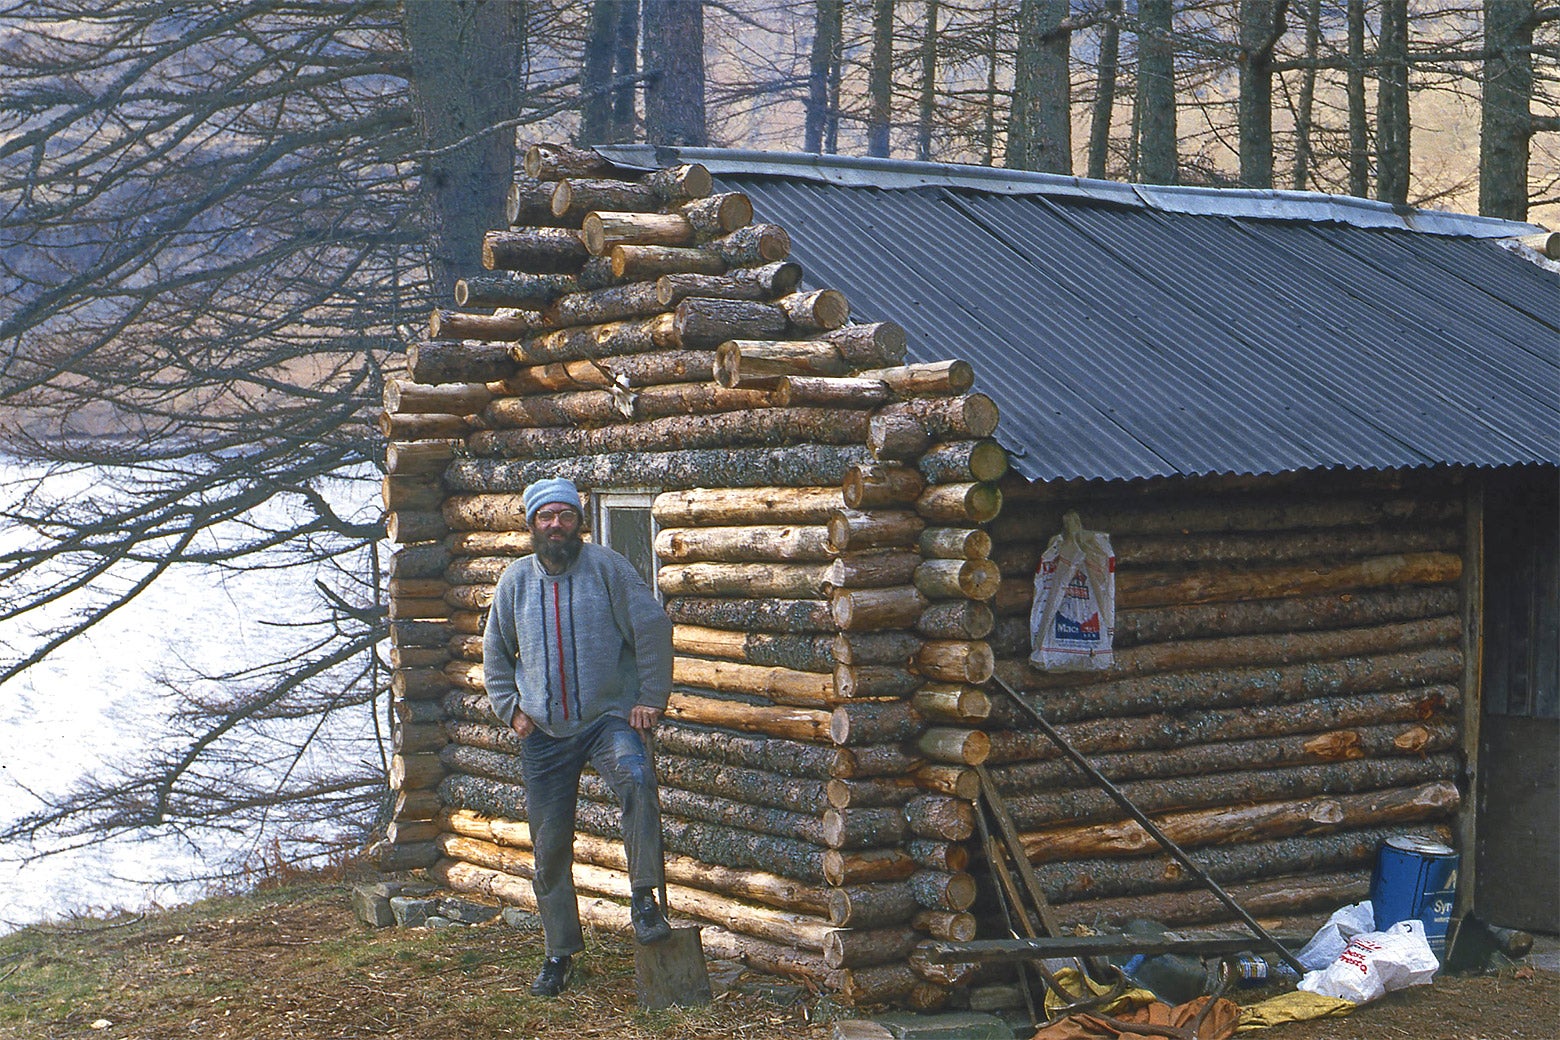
622	521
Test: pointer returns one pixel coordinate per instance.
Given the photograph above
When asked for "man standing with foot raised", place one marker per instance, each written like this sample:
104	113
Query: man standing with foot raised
577	660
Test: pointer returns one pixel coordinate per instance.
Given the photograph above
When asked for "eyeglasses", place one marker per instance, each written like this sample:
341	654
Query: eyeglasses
556	516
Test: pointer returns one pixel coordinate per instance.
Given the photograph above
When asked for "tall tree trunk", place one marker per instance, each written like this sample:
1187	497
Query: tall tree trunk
1261	24
674	70
1392	130
880	78
1105	91
1313	36
1359	125
1040	121
1506	121
990	130
596	73
466	77
823	73
1156	92
923	126
626	67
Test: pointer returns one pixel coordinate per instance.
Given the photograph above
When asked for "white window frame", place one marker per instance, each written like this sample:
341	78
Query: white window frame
602	500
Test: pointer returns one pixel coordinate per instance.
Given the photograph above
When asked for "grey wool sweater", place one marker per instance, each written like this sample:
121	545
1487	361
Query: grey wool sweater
569	648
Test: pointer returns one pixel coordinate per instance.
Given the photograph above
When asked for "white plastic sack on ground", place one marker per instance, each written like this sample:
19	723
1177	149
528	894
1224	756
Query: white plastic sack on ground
1376	963
1330	939
1073	621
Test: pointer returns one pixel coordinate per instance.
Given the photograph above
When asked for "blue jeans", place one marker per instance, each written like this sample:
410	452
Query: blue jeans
551	766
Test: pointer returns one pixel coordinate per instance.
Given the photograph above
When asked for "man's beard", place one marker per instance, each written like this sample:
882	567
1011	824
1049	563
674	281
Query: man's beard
559	555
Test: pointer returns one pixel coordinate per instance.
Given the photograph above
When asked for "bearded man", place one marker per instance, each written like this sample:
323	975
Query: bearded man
577	660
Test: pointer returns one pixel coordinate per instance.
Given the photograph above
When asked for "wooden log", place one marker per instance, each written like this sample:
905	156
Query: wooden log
701	322
467	648
769	427
1264	898
843	392
935	890
603	229
421	608
959	503
454	362
874	906
534	251
508	326
939	856
951	780
419	458
872	760
876	486
868	648
952	702
1150	590
780	685
634	370
953	975
954	462
593	408
484	512
798	465
956	661
419	633
745	283
489	543
410	527
410	493
418	683
937	379
801	651
848	793
477	570
968	747
398	427
417	657
856	610
946	579
769	754
531	292
599	306
820	310
468	622
679	183
957	619
872	568
860	866
1240	823
966	417
718	507
412	739
895	436
417	805
574	197
648	263
797	543
528	203
413	588
791	723
741	785
862	828
869	722
551	162
851	529
940	817
870	346
780	580
857	681
766	615
712	216
740	362
955	543
442	399
588	342
415	772
753	245
948	925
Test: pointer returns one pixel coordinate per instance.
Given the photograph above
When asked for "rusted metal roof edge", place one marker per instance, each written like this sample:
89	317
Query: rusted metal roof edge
900	174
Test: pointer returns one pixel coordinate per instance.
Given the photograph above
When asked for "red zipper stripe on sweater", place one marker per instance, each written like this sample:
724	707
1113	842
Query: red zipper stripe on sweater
563	678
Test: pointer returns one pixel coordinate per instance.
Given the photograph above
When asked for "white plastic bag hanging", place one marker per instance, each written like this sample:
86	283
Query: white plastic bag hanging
1073	620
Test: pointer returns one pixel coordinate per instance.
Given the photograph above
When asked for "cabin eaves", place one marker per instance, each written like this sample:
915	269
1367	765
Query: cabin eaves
1128	331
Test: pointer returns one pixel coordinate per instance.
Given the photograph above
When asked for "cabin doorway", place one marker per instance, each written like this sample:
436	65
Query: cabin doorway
1517	869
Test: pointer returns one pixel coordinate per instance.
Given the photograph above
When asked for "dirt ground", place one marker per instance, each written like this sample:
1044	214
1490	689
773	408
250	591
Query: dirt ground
298	964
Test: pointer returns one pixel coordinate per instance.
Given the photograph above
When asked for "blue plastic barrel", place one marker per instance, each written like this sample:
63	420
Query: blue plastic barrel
1415	877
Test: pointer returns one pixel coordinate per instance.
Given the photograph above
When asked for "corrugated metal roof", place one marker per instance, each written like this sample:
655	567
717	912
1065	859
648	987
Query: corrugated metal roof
1135	337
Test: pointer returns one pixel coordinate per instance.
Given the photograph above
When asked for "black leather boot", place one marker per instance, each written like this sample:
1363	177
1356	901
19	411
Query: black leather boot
553	978
650	925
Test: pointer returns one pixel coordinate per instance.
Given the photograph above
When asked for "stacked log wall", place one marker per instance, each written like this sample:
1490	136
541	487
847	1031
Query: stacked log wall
1286	691
663	343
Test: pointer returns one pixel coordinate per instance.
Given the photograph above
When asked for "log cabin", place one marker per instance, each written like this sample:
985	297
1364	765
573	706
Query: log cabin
834	409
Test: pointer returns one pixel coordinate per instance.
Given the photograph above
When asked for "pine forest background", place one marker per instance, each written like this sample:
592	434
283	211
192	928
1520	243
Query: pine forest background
221	223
